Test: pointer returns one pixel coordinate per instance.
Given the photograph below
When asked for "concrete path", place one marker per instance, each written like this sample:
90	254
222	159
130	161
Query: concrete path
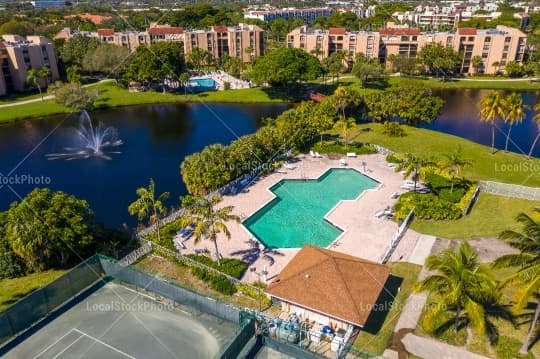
411	311
422	250
433	349
48	97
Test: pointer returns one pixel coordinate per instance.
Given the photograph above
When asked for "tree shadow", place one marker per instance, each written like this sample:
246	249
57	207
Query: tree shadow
382	305
16	297
256	251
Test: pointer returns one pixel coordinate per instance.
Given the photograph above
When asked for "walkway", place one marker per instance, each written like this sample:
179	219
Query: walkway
430	348
48	97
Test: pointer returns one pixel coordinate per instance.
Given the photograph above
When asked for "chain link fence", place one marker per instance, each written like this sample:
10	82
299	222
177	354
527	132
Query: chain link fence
172	291
510	190
40	303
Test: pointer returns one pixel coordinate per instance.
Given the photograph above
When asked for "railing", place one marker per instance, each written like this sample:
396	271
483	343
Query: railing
397	237
133	256
472	200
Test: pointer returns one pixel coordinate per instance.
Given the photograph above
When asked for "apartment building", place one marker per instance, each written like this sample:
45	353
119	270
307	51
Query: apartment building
495	47
307	14
218	40
18	55
40	4
243	41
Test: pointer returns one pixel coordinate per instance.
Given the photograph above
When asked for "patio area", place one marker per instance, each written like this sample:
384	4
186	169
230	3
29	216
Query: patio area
365	234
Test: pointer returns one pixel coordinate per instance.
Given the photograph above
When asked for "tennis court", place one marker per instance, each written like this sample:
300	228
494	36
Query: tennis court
118	322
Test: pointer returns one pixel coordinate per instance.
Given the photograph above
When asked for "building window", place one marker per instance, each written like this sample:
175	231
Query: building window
404	38
504	55
505	48
471	38
487	39
414	38
484	55
340	38
507	39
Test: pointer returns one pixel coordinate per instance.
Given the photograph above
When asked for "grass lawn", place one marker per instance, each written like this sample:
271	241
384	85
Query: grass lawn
469	83
503	167
20	97
113	96
377	342
168	269
490	215
510	337
14	289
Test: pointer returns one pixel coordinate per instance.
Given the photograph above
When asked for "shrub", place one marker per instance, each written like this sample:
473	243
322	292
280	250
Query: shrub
393	129
426	206
464	202
226	85
254	293
231	266
442	187
338	147
217	282
392	158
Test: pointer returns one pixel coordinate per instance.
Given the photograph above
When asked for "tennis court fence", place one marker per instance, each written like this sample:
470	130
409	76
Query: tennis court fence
42	302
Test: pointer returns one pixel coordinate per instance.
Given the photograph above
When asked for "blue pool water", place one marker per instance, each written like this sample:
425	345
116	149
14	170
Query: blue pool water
205	82
296	216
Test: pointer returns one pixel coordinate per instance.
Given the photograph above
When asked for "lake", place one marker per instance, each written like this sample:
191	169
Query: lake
156	140
158	137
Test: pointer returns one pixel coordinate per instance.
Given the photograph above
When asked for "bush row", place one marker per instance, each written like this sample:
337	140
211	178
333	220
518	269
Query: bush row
426	206
340	148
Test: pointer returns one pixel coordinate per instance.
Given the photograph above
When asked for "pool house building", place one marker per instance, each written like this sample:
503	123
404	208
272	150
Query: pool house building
329	288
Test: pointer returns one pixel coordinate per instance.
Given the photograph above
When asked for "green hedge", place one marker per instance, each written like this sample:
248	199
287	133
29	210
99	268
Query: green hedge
426	206
339	147
464	202
254	293
231	266
217	282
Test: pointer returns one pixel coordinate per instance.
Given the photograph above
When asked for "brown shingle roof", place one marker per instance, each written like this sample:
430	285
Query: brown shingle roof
333	283
105	32
337	31
467	31
96	19
165	30
220	28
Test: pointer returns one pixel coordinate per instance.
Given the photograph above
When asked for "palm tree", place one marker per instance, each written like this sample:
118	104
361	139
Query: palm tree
491	109
496	65
207	220
466	293
343	125
412	165
454	163
527	264
35	76
184	79
514	112
536	119
477	63
147	205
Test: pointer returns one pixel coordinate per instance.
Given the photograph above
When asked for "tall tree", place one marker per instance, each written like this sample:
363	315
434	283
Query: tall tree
513	113
106	59
156	63
147	205
344	125
208	220
73	96
345	98
477	63
466	293
438	59
454	163
35	77
48	228
491	108
198	57
74	50
527	267
414	166
536	119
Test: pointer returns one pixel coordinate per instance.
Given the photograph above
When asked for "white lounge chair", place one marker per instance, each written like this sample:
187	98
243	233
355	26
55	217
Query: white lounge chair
312	154
394	195
351	154
342	162
379	213
289	166
317	154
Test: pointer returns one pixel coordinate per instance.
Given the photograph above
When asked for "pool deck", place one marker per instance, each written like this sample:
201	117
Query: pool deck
365	236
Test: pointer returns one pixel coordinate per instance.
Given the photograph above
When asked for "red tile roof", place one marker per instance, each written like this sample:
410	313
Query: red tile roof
467	31
400	31
220	28
337	31
336	284
2	45
105	32
165	30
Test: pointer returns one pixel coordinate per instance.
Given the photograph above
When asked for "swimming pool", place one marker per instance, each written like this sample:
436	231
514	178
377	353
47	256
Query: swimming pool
296	216
206	83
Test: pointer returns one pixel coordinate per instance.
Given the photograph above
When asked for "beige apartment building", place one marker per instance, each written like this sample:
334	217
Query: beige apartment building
495	46
18	55
218	40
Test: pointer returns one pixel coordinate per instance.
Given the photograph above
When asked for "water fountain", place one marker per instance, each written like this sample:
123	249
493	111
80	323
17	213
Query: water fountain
92	141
